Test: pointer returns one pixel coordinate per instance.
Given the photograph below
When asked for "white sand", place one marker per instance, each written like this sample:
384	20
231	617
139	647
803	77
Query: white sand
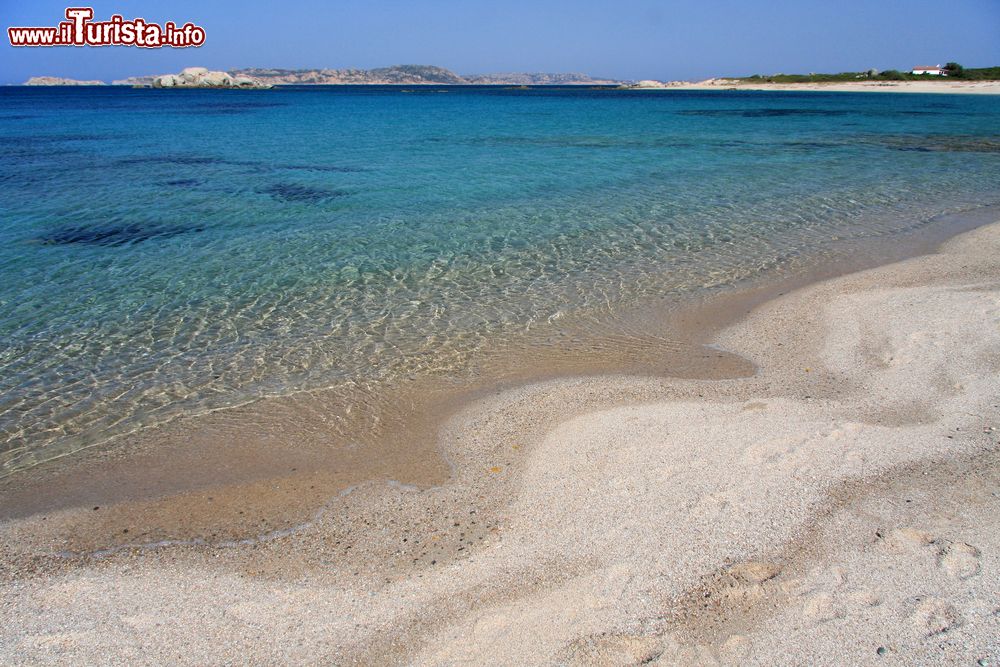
842	500
941	86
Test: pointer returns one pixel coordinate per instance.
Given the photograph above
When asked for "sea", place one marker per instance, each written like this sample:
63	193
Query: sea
168	253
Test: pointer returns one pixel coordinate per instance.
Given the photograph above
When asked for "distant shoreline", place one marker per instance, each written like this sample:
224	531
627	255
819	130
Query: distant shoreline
956	86
975	80
981	87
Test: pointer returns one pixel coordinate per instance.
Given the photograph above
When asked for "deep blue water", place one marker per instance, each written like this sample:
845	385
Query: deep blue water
164	252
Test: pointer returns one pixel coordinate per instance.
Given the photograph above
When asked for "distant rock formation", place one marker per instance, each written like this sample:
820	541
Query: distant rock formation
193	77
59	81
136	81
722	81
201	77
652	84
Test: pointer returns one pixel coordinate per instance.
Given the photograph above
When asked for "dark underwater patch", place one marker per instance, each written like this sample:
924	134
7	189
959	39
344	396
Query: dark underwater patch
780	113
810	145
210	160
763	113
294	192
37	140
548	142
183	182
184	160
319	168
937	143
111	234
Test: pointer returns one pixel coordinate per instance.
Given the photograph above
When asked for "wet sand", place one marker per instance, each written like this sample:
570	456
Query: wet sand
269	466
578	519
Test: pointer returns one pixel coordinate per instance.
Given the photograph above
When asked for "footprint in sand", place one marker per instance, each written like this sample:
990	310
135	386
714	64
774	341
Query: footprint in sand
960	560
754	572
864	597
614	649
934	616
907	540
821	608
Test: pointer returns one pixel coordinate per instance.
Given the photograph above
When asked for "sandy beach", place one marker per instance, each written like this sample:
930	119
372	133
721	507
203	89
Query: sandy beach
838	505
379	334
955	87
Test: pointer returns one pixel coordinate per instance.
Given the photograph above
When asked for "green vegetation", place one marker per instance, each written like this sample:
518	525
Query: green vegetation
954	71
981	73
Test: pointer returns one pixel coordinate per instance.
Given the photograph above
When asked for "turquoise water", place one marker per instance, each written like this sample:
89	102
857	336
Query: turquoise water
168	252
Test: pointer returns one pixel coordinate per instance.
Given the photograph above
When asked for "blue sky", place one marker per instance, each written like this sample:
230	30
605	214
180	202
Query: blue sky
627	39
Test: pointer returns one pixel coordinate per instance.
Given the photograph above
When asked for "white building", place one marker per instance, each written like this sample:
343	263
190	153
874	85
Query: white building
936	70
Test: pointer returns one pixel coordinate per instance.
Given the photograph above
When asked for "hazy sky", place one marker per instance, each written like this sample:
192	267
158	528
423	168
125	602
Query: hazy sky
626	39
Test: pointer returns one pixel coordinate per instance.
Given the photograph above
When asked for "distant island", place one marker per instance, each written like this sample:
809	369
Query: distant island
60	81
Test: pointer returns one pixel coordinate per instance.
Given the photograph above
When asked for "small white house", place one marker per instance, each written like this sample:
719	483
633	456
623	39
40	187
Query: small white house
936	70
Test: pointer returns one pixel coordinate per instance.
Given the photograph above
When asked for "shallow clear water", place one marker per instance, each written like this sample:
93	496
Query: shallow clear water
165	252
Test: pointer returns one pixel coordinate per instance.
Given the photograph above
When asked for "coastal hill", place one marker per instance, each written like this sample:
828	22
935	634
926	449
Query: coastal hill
537	79
408	74
396	74
411	74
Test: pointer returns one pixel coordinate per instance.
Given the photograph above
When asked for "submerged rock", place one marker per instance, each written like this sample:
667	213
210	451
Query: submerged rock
113	234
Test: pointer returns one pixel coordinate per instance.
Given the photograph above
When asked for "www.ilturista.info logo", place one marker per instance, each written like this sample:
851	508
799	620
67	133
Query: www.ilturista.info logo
79	30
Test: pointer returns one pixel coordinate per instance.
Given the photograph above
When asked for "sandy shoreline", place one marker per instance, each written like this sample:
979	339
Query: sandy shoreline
269	466
952	87
616	520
